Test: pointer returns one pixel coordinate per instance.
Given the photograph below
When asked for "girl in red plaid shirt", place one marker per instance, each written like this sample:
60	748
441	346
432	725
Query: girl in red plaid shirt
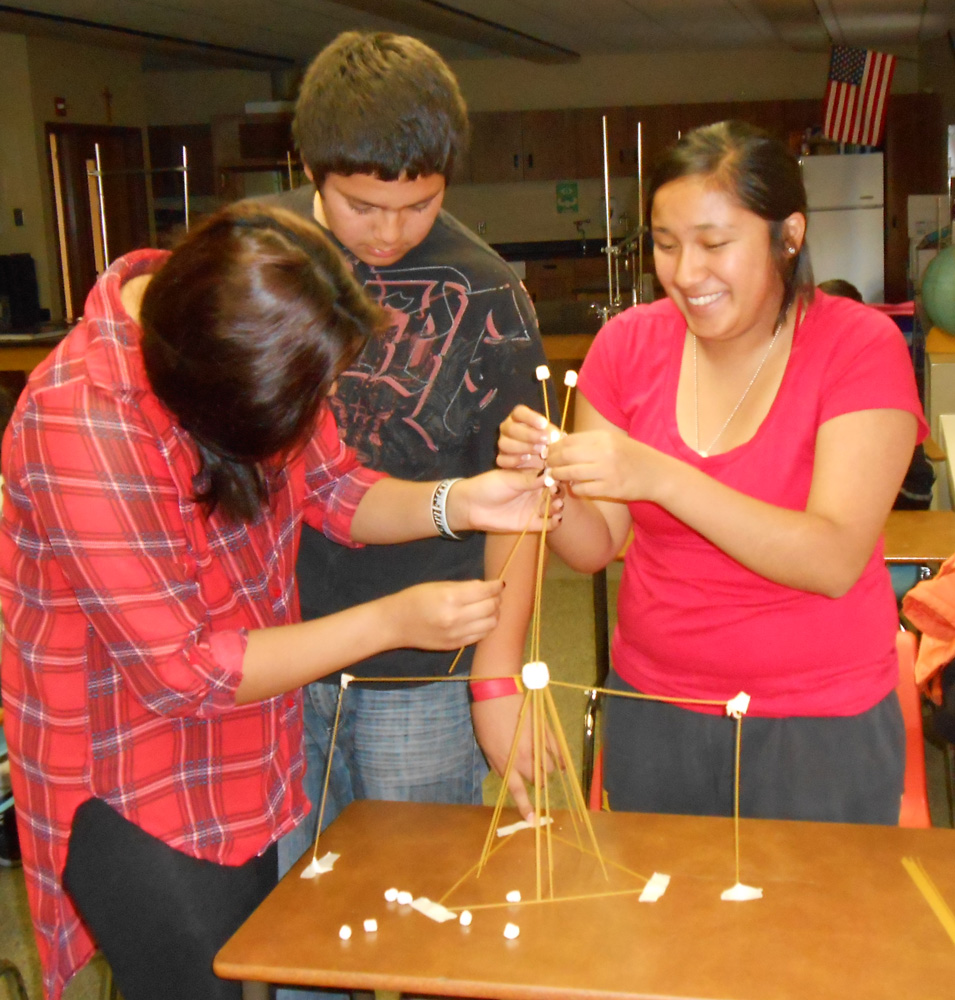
158	469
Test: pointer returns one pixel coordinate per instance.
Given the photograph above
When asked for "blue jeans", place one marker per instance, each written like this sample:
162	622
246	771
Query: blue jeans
402	744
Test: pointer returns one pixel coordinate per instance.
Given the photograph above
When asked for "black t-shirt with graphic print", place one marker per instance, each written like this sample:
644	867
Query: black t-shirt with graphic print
424	402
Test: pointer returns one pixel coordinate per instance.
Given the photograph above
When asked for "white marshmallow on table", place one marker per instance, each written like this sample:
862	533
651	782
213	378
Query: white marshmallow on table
511	931
391	895
370	925
465	918
405	898
344	932
514	896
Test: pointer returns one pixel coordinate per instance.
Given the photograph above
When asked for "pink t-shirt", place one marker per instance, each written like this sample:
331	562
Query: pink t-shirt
693	622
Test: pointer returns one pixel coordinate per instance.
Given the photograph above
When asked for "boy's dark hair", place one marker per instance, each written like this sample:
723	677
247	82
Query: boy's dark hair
245	328
379	104
762	175
841	287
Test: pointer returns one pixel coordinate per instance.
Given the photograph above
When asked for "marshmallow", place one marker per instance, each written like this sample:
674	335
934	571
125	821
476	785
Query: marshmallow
737	707
535	675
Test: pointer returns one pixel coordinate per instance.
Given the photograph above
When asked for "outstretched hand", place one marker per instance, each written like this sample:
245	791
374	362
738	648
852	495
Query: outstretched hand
605	464
523	439
502	501
446	614
495	723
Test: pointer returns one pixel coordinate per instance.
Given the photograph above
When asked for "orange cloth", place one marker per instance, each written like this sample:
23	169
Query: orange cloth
930	607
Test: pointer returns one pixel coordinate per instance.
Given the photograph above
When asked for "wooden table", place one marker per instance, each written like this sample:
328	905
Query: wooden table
567	346
22	353
840	917
926	537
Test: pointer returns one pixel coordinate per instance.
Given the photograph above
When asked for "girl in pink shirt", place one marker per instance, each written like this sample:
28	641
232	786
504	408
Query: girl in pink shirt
752	436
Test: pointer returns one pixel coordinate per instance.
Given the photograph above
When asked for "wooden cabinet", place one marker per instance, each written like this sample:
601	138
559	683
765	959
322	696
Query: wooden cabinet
259	147
589	142
165	155
548	144
577	279
522	145
659	127
496	147
548	280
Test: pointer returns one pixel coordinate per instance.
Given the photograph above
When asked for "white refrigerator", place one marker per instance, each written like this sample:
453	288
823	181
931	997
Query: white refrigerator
846	228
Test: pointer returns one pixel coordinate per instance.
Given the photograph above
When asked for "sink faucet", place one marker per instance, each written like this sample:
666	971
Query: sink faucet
582	233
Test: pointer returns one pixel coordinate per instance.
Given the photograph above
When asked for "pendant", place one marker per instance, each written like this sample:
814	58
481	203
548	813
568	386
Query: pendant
703	454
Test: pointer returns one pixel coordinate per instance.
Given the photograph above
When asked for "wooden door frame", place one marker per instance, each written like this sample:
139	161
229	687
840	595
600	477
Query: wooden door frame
126	195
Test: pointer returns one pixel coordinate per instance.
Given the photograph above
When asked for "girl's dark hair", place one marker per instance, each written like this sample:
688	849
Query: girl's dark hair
760	173
380	104
245	328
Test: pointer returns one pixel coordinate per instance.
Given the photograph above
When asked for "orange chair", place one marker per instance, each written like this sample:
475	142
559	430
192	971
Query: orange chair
914	811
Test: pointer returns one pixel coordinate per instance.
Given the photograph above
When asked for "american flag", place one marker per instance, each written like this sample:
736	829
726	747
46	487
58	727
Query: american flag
857	95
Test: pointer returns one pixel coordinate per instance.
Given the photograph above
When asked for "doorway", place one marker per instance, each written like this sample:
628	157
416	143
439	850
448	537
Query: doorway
85	243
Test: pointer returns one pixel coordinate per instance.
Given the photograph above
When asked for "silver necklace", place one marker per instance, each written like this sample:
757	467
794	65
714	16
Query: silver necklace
705	452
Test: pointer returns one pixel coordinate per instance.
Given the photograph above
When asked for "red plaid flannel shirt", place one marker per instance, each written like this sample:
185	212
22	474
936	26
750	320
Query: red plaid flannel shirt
126	611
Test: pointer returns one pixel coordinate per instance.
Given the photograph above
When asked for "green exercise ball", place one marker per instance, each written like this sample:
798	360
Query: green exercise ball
938	290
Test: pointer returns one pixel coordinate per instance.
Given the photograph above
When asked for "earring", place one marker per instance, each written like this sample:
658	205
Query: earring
790	250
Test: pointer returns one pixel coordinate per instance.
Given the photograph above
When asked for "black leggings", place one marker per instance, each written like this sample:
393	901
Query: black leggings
158	915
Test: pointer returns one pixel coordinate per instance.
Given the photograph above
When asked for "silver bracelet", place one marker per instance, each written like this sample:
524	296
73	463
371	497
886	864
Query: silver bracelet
439	508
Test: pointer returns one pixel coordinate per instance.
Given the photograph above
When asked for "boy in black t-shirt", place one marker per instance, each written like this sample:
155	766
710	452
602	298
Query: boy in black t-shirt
379	123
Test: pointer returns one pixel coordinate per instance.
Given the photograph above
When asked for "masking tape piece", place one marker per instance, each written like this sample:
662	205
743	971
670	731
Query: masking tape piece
432	910
319	866
506	831
740	893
